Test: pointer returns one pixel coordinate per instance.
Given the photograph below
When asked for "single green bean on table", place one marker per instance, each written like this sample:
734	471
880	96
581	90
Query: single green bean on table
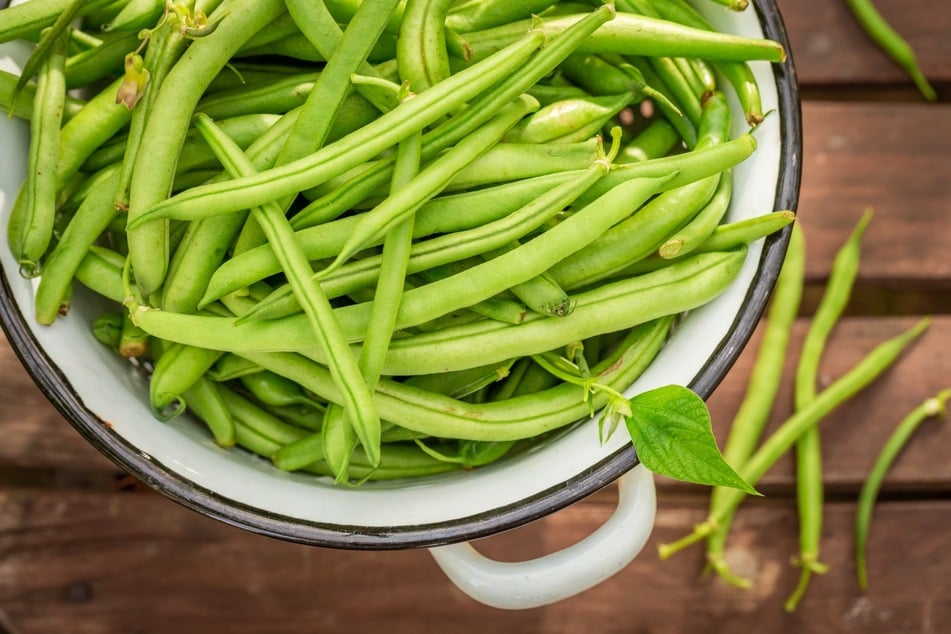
416	311
809	488
934	406
891	43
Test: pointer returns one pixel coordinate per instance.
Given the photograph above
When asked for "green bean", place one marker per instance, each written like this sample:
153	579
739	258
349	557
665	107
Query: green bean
353	149
258	419
195	154
735	5
540	293
630	34
761	389
319	27
135	15
275	97
421	46
91	219
282	27
780	441
519	417
506	162
810	494
891	43
100	62
726	237
308	450
171	114
475	15
323	324
464	382
344	10
501	163
326	99
338	444
22	105
177	369
429	182
398	461
92	126
166	44
654	141
276	390
298	48
601	77
569	121
686	168
305	416
204	400
230	366
30	227
207	240
934	406
53	41
107	328
99	272
704	223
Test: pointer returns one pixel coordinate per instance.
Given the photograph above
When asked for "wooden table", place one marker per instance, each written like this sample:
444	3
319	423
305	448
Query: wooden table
85	549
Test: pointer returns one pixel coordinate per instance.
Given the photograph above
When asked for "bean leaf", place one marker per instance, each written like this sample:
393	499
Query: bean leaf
671	431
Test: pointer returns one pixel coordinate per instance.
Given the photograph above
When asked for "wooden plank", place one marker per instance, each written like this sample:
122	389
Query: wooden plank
829	47
92	563
37	438
890	157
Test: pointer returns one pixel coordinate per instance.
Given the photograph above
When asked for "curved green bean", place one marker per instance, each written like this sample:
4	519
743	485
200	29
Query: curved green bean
934	406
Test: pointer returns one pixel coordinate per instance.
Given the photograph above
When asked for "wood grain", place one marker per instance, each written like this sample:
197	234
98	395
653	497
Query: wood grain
135	563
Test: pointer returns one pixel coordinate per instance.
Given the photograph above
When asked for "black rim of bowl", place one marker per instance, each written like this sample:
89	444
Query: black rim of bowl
56	387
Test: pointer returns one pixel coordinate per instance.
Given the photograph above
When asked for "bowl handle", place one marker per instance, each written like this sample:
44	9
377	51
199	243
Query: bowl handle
564	573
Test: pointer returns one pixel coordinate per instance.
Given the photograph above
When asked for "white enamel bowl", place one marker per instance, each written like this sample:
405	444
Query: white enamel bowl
106	401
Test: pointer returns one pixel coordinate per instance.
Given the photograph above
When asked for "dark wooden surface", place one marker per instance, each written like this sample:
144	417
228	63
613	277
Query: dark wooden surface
85	549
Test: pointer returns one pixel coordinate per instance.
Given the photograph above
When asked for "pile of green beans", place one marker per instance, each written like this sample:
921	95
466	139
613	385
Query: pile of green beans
352	236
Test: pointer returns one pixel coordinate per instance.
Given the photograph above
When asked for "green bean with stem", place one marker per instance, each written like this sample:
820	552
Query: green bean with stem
809	488
934	406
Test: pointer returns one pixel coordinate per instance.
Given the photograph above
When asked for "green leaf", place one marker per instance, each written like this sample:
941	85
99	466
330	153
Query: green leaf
671	431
